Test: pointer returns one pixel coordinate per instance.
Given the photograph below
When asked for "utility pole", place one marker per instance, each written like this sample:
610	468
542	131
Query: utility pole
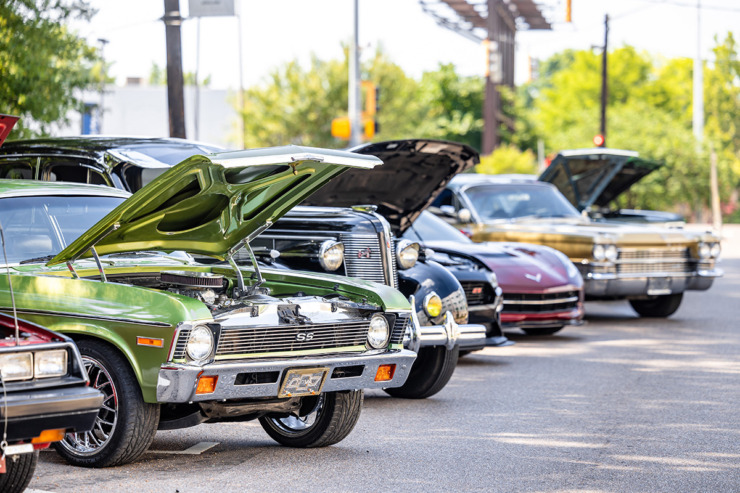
698	99
175	99
354	81
604	80
492	101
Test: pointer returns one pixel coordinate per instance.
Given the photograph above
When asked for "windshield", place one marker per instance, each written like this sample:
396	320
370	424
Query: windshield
41	226
512	201
429	227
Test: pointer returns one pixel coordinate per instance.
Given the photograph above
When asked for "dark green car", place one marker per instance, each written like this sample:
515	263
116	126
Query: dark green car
178	342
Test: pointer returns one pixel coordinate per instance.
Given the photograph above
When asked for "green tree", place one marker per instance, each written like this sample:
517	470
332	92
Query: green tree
158	77
43	65
508	159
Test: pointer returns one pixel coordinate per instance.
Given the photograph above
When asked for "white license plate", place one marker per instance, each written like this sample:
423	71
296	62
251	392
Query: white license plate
23	448
304	381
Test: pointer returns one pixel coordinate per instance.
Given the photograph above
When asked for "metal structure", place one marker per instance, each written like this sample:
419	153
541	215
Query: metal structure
495	23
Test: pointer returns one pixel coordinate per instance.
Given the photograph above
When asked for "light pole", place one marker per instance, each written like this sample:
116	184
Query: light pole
354	81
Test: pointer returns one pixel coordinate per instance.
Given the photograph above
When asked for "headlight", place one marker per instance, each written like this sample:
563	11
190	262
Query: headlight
704	250
16	366
433	304
492	278
331	255
611	253
200	343
50	363
407	253
599	252
715	250
377	336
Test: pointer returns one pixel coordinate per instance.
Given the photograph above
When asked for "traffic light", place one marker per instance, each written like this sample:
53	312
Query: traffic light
568	11
599	140
341	127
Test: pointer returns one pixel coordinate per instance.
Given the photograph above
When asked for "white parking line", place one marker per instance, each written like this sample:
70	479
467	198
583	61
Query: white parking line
196	449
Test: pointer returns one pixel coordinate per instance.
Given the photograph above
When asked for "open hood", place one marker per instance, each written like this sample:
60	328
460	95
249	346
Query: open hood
7	122
596	176
414	172
208	204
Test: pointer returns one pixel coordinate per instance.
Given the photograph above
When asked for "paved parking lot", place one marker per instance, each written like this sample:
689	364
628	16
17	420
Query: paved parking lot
620	404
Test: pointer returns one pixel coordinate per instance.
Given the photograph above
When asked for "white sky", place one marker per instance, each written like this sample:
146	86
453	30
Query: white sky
275	31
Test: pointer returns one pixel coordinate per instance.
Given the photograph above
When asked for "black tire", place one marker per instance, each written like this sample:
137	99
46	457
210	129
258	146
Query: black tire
18	472
430	372
659	306
125	425
328	421
545	331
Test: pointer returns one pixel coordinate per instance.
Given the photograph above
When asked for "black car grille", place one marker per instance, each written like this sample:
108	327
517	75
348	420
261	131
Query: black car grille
250	340
654	260
540	302
478	293
363	259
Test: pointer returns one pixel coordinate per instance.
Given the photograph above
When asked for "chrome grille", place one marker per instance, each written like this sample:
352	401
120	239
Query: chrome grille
539	302
477	293
393	261
250	340
355	260
399	328
182	339
653	260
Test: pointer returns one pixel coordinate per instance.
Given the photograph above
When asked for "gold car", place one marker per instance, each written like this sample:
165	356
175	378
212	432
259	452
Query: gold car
649	266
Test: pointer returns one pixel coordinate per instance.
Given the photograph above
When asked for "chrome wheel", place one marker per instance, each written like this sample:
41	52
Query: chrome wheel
300	424
91	442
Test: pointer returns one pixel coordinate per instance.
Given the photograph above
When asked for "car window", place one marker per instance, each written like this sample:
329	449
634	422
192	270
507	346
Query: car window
44	225
512	201
16	170
429	227
73	172
444	198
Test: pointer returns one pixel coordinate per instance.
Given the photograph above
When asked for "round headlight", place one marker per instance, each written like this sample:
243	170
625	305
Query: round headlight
331	255
599	252
407	253
611	253
715	250
377	336
200	343
433	304
704	250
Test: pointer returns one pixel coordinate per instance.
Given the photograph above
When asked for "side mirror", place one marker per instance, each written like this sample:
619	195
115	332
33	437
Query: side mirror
464	216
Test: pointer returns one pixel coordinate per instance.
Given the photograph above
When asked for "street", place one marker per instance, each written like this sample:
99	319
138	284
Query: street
620	404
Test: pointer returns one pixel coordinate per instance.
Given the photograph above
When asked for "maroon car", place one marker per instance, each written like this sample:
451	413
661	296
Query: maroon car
542	289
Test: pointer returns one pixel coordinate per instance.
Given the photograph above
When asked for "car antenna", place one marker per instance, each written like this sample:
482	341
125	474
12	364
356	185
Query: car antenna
10	286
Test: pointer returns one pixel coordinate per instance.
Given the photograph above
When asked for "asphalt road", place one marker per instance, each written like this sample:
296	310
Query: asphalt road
621	404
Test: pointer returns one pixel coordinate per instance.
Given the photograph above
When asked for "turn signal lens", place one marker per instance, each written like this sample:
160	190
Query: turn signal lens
385	373
47	436
433	304
207	384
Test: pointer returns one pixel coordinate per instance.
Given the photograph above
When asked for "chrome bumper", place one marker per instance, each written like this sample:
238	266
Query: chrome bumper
469	337
653	284
178	382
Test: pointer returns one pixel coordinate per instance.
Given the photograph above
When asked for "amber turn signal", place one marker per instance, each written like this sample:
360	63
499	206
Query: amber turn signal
47	436
206	385
147	341
385	373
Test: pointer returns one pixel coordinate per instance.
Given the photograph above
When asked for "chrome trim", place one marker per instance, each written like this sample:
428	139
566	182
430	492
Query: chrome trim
540	302
88	317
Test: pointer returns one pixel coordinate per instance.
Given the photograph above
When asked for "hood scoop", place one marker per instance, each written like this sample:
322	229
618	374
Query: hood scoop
192	279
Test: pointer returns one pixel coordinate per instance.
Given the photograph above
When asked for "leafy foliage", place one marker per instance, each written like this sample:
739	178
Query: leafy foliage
44	65
508	159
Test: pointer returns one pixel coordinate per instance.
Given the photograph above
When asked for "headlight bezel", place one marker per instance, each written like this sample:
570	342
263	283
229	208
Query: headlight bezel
373	341
432	305
207	334
39	359
24	358
327	248
405	247
605	252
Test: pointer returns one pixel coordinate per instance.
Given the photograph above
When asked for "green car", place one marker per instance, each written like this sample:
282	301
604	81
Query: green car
177	342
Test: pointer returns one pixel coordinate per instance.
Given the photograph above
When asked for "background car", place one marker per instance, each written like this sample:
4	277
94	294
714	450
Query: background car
649	266
542	289
45	394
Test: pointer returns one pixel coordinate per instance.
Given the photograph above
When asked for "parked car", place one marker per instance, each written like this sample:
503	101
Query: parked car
180	342
592	179
542	289
45	394
649	266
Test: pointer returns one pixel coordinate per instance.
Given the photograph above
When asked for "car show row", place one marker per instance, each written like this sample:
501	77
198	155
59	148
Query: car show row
189	284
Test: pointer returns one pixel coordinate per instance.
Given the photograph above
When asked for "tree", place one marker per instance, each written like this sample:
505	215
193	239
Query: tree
44	66
158	77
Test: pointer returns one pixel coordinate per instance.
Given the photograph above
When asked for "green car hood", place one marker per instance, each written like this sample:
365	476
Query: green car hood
209	204
596	176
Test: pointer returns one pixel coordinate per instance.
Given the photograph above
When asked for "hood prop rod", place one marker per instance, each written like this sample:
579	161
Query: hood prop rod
100	265
242	289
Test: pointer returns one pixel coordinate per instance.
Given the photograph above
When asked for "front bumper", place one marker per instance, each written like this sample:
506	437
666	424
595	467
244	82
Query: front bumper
608	285
469	337
177	383
73	409
542	320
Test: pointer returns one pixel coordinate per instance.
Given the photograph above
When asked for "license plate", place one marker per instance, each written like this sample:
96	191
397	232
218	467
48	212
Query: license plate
23	448
304	381
658	286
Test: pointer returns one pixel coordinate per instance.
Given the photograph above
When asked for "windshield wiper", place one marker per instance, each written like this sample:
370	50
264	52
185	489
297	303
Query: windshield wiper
37	259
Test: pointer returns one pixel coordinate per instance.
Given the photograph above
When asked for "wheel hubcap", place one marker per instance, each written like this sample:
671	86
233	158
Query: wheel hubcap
90	442
300	424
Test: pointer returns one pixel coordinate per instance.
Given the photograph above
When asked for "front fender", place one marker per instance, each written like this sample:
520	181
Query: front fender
427	277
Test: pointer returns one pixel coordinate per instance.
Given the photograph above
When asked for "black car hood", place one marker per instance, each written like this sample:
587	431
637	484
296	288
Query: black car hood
414	172
596	176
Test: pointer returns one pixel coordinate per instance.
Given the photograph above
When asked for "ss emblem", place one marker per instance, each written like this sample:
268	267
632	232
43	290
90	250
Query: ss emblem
304	336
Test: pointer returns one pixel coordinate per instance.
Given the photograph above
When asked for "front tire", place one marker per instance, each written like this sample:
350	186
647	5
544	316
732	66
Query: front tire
430	372
328	421
125	425
659	306
18	472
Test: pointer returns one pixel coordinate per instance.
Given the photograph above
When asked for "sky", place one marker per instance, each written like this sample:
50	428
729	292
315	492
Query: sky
277	31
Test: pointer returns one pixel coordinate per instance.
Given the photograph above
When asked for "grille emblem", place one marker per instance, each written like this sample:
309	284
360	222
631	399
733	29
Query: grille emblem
364	253
304	336
535	278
